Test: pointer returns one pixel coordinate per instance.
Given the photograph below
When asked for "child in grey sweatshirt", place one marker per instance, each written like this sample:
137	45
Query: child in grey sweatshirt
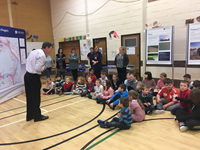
98	89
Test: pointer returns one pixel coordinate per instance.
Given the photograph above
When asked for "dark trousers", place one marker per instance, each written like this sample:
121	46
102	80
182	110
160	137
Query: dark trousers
50	92
85	92
115	123
97	73
149	108
101	100
74	74
121	74
115	98
47	72
173	111
191	123
130	88
62	73
32	86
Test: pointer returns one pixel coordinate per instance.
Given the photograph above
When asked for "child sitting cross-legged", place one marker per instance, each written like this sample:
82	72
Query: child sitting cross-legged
103	77
115	83
68	86
59	84
114	100
91	74
50	89
167	102
124	119
89	88
98	90
80	86
146	99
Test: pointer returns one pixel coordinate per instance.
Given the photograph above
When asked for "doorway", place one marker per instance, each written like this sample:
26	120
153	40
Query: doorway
102	44
132	42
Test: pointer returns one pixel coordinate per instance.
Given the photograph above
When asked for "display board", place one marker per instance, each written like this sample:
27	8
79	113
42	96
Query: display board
159	45
193	54
12	62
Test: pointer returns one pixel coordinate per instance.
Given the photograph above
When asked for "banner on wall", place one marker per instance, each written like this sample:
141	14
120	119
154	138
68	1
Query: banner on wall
13	56
159	45
193	56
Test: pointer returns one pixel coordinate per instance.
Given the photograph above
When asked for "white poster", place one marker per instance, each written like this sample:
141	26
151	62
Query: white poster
85	50
159	45
100	50
23	55
130	50
193	56
21	42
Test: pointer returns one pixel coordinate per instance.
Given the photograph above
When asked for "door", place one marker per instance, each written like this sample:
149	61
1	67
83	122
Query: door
133	43
101	43
67	46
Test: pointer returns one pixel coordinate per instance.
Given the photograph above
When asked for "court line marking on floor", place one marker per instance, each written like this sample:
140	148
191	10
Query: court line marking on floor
44	112
25	103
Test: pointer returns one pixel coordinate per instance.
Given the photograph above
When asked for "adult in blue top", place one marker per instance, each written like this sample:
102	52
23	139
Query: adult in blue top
114	100
96	60
73	63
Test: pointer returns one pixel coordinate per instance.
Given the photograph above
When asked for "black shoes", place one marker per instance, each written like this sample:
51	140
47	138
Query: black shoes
29	119
42	118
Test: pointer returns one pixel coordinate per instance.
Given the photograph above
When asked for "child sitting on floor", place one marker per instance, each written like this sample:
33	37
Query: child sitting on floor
127	77
136	107
59	84
89	88
160	83
49	87
132	82
139	87
107	92
124	119
80	86
187	77
167	102
91	73
103	77
98	90
114	100
149	81
188	120
68	86
115	83
184	93
146	99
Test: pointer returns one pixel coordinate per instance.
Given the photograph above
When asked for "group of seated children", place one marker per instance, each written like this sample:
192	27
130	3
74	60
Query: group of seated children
136	98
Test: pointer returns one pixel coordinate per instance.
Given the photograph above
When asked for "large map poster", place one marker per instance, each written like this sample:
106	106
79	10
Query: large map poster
193	44
12	62
159	45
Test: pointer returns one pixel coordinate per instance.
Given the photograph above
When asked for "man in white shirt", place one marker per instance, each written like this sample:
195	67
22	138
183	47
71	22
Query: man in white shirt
34	67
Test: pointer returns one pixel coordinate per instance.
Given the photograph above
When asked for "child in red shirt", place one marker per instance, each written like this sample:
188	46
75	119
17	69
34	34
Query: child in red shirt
68	86
184	93
167	102
91	73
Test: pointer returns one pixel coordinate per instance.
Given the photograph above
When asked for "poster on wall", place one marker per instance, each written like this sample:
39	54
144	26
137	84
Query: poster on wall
193	56
159	45
13	54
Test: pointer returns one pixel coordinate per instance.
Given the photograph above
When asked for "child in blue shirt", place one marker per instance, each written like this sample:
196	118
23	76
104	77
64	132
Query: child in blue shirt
124	119
114	100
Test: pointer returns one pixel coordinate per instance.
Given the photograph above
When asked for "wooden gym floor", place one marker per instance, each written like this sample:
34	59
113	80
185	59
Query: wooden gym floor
73	125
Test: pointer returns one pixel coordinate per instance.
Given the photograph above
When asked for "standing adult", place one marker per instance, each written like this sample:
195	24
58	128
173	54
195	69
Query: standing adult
73	63
121	61
34	66
89	56
49	64
96	60
60	63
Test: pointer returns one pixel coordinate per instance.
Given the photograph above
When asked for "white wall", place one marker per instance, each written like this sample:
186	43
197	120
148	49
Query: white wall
127	18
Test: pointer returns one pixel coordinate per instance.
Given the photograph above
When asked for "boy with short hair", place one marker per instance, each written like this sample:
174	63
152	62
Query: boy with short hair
196	84
139	87
98	89
91	73
59	84
184	93
146	99
132	82
167	102
187	77
68	86
114	100
103	77
125	119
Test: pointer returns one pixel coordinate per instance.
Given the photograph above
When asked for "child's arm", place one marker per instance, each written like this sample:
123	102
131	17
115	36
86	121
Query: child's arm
185	100
49	89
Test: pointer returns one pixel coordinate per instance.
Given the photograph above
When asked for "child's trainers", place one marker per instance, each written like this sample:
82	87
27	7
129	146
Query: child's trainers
72	93
102	125
159	112
183	128
100	121
60	93
44	93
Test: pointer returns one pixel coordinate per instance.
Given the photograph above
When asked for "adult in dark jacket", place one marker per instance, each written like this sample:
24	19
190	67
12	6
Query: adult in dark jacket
73	63
121	61
60	63
97	65
89	56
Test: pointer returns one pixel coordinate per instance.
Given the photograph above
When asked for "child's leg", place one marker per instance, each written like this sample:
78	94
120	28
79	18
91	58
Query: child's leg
149	109
193	124
45	90
115	123
89	96
173	111
84	93
172	106
52	91
163	102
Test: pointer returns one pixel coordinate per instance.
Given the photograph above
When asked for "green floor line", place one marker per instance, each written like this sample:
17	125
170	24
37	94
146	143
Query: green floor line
95	144
25	105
